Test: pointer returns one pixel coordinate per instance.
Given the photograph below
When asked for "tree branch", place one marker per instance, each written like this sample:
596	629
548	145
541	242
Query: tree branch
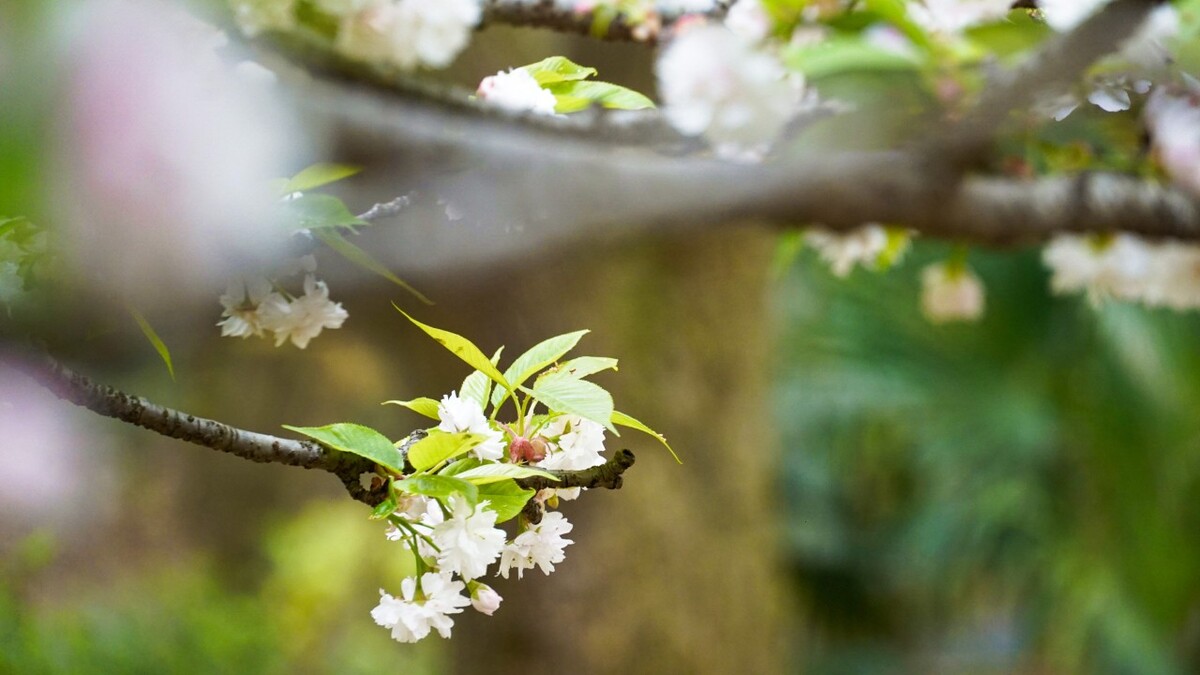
255	447
1057	64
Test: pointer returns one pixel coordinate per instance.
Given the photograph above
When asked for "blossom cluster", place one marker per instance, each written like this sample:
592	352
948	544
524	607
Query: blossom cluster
403	33
445	496
1126	267
255	306
455	542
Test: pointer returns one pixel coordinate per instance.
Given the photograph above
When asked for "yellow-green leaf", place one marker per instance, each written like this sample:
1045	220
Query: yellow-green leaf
462	348
356	255
155	340
317	175
439	446
425	406
627	421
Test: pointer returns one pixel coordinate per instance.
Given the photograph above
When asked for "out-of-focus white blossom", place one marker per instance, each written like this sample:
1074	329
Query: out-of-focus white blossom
1173	119
951	293
302	319
516	90
577	444
484	598
749	20
408	33
166	157
412	615
540	546
1148	49
1126	267
868	246
241	302
950	17
1064	15
684	6
890	39
465	414
713	83
469	540
1119	266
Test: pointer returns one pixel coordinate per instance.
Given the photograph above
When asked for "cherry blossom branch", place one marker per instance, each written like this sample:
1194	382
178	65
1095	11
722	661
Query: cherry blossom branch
607	475
554	16
1057	64
80	390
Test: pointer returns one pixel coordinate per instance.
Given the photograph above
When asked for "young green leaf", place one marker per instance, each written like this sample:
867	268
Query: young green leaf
356	440
505	497
846	54
627	421
317	175
603	93
425	406
491	473
385	508
439	446
356	255
477	386
155	340
557	69
581	367
458	466
319	212
439	487
537	357
577	397
462	348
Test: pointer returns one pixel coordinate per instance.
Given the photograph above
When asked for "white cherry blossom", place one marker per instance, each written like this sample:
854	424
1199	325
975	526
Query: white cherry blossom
412	615
951	293
465	414
540	546
516	90
302	319
469	540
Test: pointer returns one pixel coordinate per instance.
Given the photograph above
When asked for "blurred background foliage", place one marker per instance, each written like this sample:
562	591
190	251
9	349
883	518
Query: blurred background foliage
1014	496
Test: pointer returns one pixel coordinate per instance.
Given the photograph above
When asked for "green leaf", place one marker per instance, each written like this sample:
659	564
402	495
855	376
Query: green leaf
557	69
477	386
896	13
317	175
582	366
604	93
627	421
385	508
356	440
439	446
845	54
577	397
505	497
155	340
491	473
319	212
462	348
1020	33
536	358
425	406
356	255
456	467
439	487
